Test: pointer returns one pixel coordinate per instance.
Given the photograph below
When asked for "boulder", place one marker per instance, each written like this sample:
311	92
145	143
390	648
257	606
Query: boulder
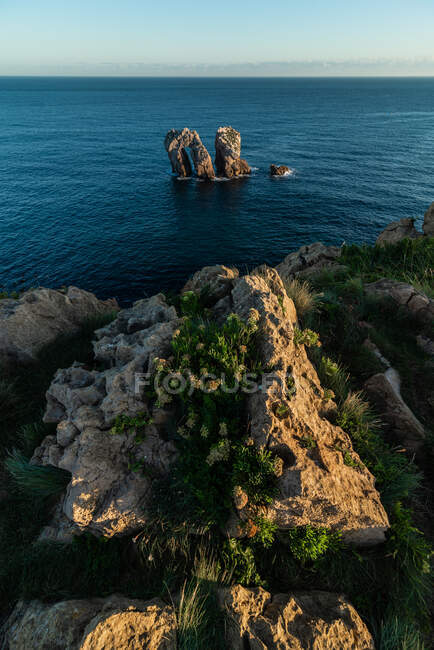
428	222
290	416
310	259
254	618
279	170
92	624
227	153
384	391
176	143
39	316
105	495
396	231
217	280
316	619
416	303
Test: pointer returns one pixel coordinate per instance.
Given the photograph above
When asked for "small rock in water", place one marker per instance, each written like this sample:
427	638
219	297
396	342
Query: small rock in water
279	170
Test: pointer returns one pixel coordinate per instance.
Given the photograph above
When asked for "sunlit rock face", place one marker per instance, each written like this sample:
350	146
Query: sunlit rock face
316	486
176	144
228	159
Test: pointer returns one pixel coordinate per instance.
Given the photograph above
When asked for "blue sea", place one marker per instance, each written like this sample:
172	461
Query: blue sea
87	196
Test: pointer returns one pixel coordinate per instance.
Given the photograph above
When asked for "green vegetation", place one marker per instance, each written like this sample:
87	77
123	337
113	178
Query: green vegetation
35	479
184	548
308	544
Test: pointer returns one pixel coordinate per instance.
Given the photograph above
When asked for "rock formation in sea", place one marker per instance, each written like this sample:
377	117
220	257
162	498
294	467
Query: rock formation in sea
228	159
279	170
177	143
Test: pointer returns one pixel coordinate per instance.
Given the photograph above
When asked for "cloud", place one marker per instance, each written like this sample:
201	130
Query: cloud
320	68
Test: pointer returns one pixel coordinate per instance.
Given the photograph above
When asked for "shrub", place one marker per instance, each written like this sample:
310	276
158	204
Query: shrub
308	544
254	471
306	337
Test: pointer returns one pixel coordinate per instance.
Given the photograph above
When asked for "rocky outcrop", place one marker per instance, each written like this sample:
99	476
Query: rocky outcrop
217	281
254	619
93	624
279	170
105	495
176	144
396	231
428	222
228	159
39	316
317	619
416	303
310	259
290	417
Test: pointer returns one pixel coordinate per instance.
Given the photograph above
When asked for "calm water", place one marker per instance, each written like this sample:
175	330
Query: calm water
87	198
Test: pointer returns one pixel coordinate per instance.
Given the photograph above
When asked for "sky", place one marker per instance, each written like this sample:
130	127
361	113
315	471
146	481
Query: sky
179	37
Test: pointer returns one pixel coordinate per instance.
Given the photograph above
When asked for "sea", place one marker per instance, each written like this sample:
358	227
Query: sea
87	196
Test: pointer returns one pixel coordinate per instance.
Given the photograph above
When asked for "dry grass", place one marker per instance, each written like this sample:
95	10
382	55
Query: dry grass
301	292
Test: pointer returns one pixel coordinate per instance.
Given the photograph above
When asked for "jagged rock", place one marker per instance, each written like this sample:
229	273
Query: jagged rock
105	496
279	170
39	316
316	619
217	280
428	222
406	296
316	486
227	153
92	624
309	260
384	391
176	143
396	231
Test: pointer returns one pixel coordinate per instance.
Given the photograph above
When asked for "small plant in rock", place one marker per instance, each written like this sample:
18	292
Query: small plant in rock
281	411
291	388
239	561
306	337
308	442
125	424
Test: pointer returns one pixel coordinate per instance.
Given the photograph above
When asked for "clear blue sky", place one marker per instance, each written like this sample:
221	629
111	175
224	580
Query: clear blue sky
138	35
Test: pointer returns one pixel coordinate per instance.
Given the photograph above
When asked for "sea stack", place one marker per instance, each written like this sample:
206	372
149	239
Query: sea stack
227	153
176	142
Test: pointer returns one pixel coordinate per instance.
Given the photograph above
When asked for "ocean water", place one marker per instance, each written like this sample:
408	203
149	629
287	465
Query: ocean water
87	196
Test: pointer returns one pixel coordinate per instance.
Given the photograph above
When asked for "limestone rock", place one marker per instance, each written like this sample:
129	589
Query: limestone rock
384	392
227	153
309	260
279	170
105	495
316	487
428	222
315	619
93	624
40	315
406	296
217	280
176	143
397	231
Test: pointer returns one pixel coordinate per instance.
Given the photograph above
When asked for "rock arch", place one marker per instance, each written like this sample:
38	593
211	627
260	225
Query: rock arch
176	142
